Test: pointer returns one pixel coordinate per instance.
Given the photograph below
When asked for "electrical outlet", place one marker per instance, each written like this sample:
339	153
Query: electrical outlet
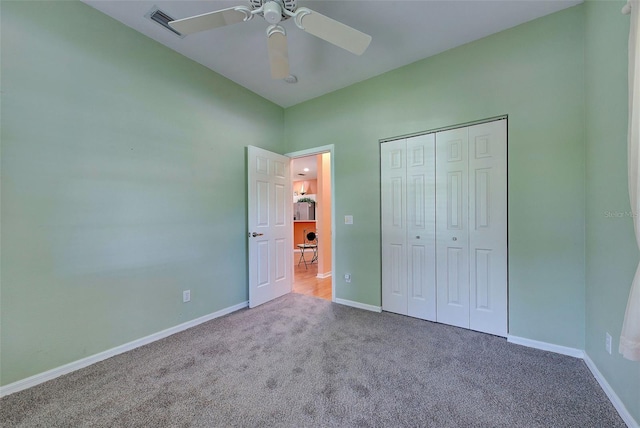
186	296
348	219
607	343
347	277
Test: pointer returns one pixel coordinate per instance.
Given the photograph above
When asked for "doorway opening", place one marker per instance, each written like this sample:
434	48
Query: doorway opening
312	231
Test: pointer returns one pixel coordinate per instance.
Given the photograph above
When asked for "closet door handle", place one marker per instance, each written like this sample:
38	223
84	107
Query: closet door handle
418	237
455	239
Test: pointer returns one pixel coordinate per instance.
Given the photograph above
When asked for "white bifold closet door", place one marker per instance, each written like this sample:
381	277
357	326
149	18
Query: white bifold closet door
408	218
444	227
471	244
452	213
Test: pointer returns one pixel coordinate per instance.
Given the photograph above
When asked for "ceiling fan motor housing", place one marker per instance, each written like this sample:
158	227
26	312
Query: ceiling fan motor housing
290	5
272	12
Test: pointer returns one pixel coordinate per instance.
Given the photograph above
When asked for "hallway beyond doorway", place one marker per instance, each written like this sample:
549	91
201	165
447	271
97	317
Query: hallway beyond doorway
306	282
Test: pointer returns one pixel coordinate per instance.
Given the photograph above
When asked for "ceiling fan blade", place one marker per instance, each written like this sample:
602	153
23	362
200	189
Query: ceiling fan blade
208	21
278	52
332	31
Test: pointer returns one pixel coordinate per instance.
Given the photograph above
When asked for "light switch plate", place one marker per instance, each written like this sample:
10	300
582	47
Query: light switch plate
348	219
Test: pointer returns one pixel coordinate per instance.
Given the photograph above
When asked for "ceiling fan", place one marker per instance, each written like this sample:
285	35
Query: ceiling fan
274	12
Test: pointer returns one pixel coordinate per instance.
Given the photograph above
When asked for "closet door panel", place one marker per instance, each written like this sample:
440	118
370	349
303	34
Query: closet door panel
488	227
421	272
452	228
394	226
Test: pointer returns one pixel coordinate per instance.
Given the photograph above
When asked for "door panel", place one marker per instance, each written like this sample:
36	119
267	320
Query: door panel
270	218
455	276
262	262
452	240
482	277
417	274
262	203
396	198
282	255
396	271
280	216
455	209
421	227
482	198
394	245
488	231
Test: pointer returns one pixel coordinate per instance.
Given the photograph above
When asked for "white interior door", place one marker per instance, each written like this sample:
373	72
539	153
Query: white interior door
421	227
269	226
452	240
488	227
394	227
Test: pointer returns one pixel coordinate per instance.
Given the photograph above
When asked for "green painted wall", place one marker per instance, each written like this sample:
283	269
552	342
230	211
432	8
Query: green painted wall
611	251
533	73
123	168
123	178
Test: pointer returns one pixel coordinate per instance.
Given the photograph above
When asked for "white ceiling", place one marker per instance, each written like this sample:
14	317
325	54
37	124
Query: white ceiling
299	164
403	32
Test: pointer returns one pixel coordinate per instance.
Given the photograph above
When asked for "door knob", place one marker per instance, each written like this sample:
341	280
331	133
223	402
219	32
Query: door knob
417	236
455	239
254	234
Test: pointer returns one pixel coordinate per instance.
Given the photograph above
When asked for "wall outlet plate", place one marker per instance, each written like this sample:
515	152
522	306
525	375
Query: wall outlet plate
186	296
607	343
347	277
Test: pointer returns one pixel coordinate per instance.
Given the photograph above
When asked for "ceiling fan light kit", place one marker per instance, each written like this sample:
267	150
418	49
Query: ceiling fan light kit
274	12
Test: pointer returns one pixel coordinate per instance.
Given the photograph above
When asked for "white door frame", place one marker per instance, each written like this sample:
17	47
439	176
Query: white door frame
329	148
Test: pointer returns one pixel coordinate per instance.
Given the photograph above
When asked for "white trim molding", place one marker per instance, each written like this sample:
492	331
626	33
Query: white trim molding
324	275
92	359
558	349
358	305
613	397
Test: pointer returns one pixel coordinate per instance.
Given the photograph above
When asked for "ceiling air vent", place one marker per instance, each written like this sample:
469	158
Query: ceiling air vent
163	19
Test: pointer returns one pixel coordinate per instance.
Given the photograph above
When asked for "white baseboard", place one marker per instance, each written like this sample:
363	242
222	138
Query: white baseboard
84	362
613	397
579	353
358	305
558	349
323	275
